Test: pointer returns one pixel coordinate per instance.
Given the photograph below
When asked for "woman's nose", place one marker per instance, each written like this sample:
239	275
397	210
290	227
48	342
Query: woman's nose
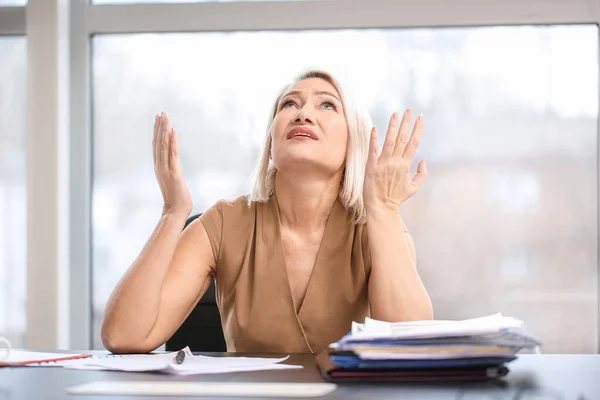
304	116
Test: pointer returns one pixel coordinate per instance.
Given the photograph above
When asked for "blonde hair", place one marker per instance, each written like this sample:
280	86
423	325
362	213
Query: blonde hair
359	128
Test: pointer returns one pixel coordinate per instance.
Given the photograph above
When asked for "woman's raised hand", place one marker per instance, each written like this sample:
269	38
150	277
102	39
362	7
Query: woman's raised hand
167	167
387	179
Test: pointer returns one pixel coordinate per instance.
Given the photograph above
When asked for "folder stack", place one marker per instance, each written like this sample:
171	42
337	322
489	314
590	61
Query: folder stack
474	349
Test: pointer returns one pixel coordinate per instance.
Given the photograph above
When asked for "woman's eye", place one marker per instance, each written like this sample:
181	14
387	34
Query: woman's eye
287	103
329	106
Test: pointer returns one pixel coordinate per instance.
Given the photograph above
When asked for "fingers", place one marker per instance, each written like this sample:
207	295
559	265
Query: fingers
403	133
164	141
390	138
165	144
421	174
174	160
373	148
157	143
415	139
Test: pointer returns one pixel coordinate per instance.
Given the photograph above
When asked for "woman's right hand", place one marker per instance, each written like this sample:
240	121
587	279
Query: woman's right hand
167	167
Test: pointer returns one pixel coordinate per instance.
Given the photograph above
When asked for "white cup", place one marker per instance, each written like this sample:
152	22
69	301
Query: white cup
5	348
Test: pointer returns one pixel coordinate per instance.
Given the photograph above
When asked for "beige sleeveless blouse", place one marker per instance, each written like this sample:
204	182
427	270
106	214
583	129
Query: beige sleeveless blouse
253	292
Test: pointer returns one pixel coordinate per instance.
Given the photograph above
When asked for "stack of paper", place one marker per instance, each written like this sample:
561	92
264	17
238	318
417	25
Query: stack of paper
191	365
471	349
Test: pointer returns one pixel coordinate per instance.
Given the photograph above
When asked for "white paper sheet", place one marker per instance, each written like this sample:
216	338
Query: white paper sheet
374	329
490	336
191	365
228	389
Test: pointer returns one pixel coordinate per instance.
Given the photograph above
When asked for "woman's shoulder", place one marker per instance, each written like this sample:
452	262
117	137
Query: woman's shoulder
237	207
230	212
228	221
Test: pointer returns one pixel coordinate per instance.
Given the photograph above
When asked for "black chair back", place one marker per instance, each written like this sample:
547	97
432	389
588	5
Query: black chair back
202	330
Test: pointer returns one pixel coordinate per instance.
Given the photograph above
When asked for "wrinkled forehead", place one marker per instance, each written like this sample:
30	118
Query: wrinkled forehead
311	86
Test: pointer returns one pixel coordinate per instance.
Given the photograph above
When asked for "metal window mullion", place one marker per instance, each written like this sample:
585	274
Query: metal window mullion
47	304
80	174
333	14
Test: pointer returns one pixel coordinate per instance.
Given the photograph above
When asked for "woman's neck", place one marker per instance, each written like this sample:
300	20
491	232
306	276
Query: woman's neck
305	202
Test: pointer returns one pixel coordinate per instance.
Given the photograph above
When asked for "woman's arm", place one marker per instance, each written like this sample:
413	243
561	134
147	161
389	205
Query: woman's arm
160	289
172	271
396	292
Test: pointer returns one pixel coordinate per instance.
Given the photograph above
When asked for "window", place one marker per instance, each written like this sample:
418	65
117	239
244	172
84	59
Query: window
12	189
12	2
508	215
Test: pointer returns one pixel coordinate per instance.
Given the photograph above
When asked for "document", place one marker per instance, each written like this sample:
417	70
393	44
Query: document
473	349
168	363
493	336
493	324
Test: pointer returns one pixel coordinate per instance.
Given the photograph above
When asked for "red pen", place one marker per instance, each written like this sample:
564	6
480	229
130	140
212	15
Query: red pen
42	361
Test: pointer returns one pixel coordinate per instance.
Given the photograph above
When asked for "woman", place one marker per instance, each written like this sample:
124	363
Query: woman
318	243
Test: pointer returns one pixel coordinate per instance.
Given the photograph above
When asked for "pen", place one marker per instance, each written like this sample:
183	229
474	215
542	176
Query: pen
180	356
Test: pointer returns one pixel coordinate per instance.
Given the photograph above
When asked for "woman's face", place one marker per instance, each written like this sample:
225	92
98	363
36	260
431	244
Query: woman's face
310	129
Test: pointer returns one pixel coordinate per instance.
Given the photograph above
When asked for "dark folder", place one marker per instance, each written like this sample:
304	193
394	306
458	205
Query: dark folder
333	372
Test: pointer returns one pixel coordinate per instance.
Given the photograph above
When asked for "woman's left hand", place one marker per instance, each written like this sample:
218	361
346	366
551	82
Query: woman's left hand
387	178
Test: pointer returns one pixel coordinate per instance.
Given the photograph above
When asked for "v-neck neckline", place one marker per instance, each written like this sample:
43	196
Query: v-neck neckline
327	265
328	234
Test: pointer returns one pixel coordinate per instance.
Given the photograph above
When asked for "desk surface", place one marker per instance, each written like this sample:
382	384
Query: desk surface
531	377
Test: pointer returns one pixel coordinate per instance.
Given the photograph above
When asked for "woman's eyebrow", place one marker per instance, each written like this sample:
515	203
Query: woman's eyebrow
326	93
319	92
292	93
